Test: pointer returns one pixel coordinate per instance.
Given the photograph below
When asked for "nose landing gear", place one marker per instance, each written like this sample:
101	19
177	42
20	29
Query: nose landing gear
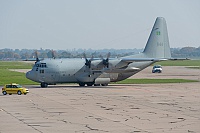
44	85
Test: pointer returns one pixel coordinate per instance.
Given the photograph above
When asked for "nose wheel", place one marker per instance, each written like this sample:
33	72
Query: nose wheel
44	85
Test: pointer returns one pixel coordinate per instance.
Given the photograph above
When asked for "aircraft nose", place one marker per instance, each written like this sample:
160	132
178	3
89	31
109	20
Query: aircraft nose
29	75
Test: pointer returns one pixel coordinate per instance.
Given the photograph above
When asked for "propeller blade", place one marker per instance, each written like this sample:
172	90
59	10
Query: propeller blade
84	55
106	61
87	62
53	54
36	55
100	56
108	55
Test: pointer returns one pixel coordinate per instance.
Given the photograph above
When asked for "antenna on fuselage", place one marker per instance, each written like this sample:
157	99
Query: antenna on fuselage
53	54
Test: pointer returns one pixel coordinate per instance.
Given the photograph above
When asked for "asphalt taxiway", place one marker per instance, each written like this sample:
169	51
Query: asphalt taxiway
152	108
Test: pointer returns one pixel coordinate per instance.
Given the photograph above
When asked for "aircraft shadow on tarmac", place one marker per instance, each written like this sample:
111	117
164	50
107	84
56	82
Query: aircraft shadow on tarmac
110	86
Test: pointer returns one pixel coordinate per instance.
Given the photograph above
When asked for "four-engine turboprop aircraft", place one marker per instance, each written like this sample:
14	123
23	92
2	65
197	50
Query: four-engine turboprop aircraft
103	71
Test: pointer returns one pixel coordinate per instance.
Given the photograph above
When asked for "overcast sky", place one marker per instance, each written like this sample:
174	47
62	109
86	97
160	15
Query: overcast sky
95	24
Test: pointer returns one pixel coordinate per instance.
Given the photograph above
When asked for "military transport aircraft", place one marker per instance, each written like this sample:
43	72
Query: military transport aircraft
103	71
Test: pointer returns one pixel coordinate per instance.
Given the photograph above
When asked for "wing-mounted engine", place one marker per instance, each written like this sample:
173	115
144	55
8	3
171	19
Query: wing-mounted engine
88	62
113	65
105	62
98	63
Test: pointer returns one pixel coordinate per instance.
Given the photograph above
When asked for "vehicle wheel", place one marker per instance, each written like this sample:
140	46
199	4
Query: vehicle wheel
25	93
10	94
19	92
44	85
4	92
81	84
90	84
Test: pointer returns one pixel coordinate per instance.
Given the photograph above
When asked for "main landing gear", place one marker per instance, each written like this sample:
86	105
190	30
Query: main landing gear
44	85
88	84
91	84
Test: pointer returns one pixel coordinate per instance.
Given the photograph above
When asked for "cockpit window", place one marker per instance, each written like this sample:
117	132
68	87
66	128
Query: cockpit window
43	65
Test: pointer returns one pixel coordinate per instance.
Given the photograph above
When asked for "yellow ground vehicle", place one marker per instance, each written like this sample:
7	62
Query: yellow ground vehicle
14	89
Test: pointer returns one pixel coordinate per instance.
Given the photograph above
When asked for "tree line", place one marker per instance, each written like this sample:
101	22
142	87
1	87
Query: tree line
17	54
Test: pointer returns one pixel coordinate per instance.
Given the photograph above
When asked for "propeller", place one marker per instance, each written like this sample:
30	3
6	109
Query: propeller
87	62
36	56
106	61
53	54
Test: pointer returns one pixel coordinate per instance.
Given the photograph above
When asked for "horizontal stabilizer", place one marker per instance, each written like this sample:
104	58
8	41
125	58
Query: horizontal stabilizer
174	59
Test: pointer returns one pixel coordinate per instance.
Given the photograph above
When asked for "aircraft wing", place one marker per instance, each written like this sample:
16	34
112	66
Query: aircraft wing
130	60
124	62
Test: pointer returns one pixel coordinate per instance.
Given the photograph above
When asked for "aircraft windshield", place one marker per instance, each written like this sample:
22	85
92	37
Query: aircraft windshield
41	65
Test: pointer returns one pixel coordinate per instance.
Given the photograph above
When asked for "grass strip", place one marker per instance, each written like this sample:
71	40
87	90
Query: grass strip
14	77
180	63
15	65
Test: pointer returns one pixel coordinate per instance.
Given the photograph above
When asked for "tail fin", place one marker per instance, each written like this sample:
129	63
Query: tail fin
158	43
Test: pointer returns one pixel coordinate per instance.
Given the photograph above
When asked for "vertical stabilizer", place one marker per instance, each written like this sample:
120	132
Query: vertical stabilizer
158	43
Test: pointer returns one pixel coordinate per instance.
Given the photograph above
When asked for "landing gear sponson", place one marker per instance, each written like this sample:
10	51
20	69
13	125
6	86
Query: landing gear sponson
91	84
45	85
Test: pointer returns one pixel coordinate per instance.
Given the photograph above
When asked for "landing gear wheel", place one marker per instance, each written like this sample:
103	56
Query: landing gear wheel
19	92
81	84
104	84
90	84
44	85
4	92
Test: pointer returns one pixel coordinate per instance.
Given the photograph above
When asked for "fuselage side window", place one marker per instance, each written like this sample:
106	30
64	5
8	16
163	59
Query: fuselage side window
42	71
